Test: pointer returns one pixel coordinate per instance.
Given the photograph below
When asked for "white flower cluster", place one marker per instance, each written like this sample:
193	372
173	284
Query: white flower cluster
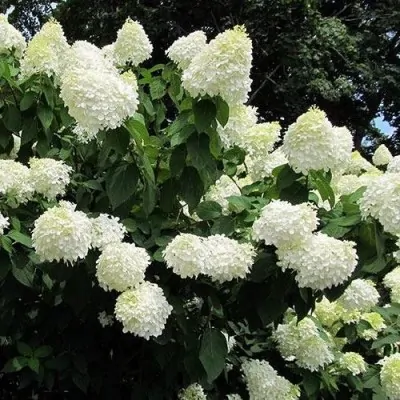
358	164
192	392
377	325
132	44
10	38
15	181
221	190
96	95
263	382
49	177
360	295
392	282
283	224
303	343
382	156
380	201
312	143
222	68
143	311
216	256
106	230
61	233
184	49
121	266
45	52
352	362
390	376
321	262
347	184
241	119
394	165
261	165
4	223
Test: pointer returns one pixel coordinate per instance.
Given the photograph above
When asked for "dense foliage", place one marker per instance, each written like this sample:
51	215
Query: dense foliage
341	55
156	242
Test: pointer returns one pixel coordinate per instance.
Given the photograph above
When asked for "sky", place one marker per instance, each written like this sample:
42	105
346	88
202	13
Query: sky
383	126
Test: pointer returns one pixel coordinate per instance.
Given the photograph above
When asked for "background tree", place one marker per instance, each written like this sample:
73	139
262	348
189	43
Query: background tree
342	55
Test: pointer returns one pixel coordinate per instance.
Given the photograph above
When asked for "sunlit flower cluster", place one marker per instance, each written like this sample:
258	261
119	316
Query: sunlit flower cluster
382	156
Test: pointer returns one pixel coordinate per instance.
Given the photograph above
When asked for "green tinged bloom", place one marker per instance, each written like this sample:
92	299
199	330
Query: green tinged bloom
390	376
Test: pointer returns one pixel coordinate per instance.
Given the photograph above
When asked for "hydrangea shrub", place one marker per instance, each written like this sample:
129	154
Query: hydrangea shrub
158	241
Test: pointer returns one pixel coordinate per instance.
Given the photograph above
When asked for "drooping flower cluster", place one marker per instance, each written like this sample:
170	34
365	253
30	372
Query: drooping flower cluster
192	392
321	262
49	177
221	190
143	311
390	376
263	382
106	230
283	224
360	295
221	258
352	362
311	143
15	181
392	282
380	201
184	49
302	342
4	223
61	233
10	38
132	44
382	156
222	68
45	52
121	266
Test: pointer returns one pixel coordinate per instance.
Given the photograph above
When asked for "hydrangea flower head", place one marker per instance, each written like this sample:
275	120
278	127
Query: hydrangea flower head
61	233
143	311
284	224
132	44
222	68
390	376
121	266
106	229
382	156
184	49
10	38
49	177
359	295
45	52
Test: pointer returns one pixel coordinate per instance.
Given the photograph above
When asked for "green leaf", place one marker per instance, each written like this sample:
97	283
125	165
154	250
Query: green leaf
157	88
334	230
168	194
222	111
235	155
34	364
177	161
285	177
27	101
224	225
182	135
311	384
81	381
376	266
191	187
46	116
200	157
384	341
15	364
204	114
213	351
121	183
12	119
349	220
130	224
207	210
20	237
43	352
24	349
238	204
323	187
29	131
24	275
117	140
149	197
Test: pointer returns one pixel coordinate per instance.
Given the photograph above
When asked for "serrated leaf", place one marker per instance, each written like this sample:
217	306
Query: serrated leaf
204	113
121	183
213	351
20	237
207	210
24	275
191	187
238	204
46	116
157	89
34	364
27	101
